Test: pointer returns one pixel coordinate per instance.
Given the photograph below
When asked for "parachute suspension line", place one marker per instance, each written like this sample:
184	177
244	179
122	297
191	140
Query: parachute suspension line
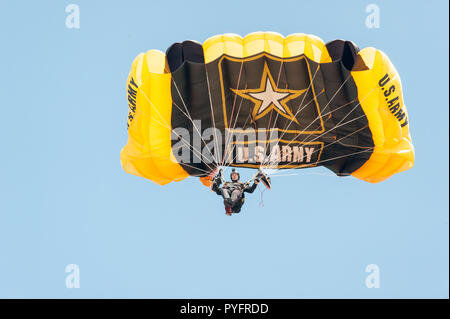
323	115
279	139
166	125
163	157
245	124
271	111
301	107
267	160
234	157
198	152
278	79
339	124
356	146
227	142
318	116
343	156
199	169
216	143
359	117
298	111
181	139
231	116
190	118
237	116
333	158
360	129
336	126
303	174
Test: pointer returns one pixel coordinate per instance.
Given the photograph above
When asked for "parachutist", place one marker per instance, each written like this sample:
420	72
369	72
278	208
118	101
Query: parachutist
233	191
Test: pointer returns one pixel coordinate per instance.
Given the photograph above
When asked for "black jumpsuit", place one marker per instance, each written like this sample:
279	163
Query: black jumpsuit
235	191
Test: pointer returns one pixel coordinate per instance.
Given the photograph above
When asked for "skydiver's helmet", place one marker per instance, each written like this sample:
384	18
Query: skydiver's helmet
234	173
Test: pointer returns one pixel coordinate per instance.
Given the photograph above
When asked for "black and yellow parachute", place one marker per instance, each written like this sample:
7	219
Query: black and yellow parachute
265	101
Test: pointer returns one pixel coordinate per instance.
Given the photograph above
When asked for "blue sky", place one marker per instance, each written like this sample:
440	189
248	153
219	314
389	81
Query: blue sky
64	198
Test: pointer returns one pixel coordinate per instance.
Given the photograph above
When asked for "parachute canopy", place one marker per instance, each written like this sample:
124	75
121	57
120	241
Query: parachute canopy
265	101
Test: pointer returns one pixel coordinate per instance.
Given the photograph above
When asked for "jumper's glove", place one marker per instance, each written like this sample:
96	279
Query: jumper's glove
217	180
261	177
258	176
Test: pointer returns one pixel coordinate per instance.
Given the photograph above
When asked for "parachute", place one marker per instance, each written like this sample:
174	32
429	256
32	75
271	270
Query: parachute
265	100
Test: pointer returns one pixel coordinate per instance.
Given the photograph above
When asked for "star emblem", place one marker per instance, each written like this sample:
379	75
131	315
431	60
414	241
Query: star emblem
269	97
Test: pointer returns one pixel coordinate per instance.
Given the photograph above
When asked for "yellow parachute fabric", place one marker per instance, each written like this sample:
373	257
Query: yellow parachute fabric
148	152
393	151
